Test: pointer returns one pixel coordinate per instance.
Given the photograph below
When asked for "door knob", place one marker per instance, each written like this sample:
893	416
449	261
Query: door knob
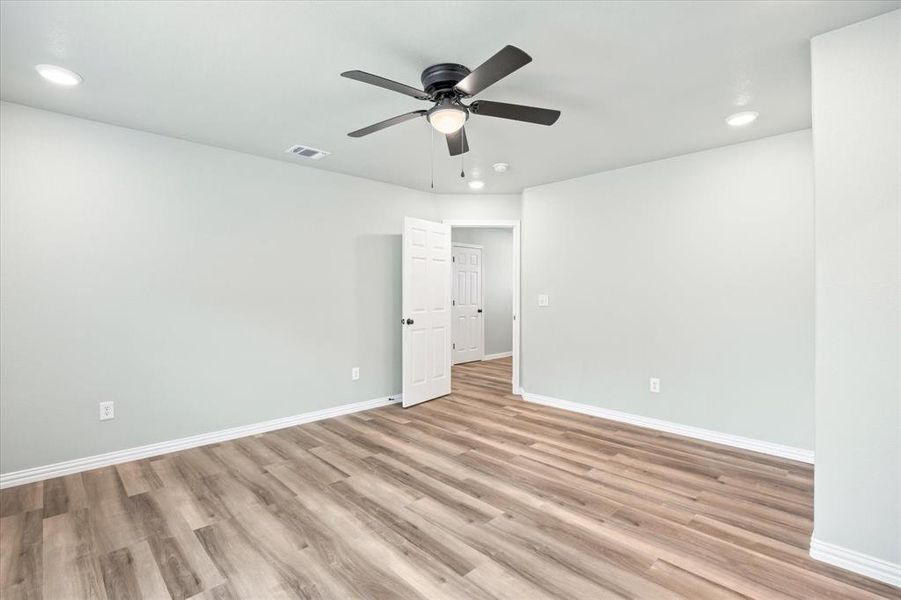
480	310
409	321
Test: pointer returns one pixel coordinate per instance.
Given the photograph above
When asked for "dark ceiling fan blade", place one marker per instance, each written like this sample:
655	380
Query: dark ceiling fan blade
493	70
387	123
457	143
516	112
385	83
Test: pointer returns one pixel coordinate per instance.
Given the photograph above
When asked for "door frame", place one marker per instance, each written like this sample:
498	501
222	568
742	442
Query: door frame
481	285
517	260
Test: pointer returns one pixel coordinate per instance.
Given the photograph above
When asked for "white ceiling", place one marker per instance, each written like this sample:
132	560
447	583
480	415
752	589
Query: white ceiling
636	81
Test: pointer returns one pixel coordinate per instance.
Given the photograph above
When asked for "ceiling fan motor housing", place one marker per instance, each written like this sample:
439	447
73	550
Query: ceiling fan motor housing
440	79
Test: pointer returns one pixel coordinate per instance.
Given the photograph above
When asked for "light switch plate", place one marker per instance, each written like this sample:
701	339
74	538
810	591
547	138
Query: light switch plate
544	300
654	385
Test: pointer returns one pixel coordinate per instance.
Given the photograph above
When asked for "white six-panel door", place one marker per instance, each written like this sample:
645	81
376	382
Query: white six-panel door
467	304
426	319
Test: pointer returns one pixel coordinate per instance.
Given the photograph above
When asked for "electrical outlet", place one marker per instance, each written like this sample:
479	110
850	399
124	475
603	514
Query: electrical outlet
654	385
107	411
544	300
355	373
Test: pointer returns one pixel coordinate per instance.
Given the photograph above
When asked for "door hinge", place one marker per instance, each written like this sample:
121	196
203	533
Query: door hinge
453	346
453	303
453	259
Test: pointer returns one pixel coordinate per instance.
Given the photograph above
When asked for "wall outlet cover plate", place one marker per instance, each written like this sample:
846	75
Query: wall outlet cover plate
107	411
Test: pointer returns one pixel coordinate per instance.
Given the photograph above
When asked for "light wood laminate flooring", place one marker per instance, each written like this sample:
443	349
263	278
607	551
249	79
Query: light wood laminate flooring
475	495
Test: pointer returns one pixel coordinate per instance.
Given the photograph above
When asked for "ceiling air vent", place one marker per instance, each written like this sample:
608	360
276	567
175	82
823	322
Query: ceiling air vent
307	152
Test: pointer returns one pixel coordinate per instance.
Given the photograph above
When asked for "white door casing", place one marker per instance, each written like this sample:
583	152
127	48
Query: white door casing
426	318
468	324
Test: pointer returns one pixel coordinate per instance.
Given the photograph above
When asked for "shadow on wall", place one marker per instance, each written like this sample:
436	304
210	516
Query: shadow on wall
377	300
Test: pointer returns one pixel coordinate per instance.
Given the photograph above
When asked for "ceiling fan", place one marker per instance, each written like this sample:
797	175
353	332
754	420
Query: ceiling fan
447	85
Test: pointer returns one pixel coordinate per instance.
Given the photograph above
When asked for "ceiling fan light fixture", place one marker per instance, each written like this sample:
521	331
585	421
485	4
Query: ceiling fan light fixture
447	117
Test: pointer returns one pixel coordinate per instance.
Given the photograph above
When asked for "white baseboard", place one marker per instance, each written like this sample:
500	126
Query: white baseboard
851	560
119	456
497	355
798	454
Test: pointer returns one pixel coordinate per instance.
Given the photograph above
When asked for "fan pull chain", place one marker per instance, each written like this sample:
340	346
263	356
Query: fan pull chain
432	158
462	154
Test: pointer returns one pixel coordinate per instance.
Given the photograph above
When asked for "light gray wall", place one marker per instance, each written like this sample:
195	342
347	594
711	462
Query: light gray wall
497	281
507	207
856	125
197	288
697	270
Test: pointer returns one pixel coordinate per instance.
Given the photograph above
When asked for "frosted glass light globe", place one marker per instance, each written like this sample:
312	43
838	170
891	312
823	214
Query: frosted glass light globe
447	119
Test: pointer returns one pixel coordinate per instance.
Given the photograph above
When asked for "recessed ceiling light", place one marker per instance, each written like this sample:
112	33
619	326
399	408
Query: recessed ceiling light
742	118
476	184
58	75
501	167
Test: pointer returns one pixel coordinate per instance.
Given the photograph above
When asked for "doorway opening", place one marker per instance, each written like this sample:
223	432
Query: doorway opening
485	300
428	303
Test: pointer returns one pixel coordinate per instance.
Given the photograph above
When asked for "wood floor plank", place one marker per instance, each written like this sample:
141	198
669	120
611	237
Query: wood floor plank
504	584
20	553
530	562
184	565
239	561
63	494
69	556
337	539
476	495
150	580
119	577
138	477
21	499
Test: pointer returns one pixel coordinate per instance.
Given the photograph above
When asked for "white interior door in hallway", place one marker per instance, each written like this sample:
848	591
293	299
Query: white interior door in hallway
426	318
468	327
